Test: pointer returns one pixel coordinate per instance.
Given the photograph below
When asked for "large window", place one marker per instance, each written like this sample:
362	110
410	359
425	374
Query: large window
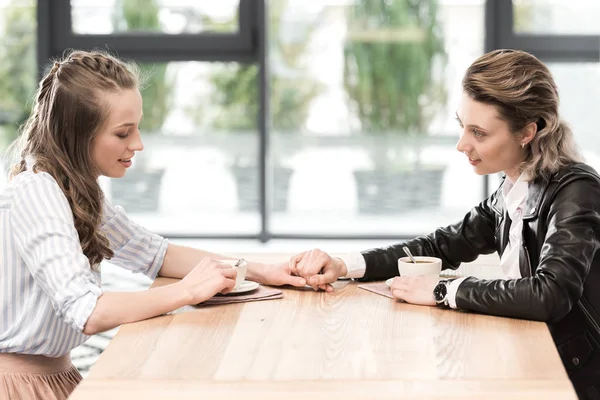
174	17
554	17
315	119
364	142
566	37
198	172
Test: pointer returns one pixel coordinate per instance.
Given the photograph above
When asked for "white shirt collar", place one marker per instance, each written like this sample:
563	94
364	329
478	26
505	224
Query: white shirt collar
515	195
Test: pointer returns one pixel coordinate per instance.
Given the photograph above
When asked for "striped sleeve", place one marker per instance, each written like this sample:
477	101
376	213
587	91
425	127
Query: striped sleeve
45	236
135	248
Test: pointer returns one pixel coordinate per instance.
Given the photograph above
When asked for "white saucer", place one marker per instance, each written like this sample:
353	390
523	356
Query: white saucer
247	286
389	282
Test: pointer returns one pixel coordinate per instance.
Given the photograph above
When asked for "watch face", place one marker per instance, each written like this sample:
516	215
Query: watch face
439	292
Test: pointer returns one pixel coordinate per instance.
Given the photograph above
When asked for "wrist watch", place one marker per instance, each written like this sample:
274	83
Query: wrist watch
440	292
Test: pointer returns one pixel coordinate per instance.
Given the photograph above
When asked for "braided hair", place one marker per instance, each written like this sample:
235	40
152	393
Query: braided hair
68	112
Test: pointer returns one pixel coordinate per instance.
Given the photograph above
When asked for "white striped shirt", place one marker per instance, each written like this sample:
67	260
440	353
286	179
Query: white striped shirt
47	288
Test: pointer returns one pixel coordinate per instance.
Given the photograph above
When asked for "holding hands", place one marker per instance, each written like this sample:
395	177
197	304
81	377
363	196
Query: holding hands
313	267
318	268
321	269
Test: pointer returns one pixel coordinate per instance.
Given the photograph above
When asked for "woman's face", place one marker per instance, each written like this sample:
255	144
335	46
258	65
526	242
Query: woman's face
486	140
117	141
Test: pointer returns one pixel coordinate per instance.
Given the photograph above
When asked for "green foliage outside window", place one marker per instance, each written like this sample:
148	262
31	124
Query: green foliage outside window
392	51
157	88
18	67
290	93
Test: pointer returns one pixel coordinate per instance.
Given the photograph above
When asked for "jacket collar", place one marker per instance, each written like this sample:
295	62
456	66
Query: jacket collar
536	191
498	202
539	187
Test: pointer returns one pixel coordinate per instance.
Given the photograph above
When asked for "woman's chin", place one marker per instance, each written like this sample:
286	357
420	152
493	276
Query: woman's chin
115	174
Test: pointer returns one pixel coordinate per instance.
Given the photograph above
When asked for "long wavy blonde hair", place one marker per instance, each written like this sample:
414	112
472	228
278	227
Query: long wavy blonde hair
523	91
68	113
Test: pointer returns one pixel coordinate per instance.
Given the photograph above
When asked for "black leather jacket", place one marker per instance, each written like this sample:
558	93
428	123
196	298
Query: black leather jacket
559	262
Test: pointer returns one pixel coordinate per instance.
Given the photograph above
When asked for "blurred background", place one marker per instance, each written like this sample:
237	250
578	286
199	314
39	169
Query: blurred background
301	119
267	120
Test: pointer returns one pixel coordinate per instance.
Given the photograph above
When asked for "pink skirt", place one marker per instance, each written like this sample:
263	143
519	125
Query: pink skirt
32	377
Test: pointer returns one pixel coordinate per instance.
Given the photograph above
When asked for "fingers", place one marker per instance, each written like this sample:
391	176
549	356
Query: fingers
400	282
224	273
230	272
415	289
293	262
401	287
222	265
313	261
400	294
329	276
297	281
229	285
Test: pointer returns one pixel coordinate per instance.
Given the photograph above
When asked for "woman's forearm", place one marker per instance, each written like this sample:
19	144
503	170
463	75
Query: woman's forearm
117	308
180	260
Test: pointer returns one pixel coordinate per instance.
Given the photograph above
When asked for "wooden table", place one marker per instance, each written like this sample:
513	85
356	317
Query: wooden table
350	344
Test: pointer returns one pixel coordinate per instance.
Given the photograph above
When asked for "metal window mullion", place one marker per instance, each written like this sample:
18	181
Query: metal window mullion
263	109
563	48
62	35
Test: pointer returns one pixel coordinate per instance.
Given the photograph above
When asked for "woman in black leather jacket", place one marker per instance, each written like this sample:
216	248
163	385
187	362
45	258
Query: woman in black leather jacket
544	219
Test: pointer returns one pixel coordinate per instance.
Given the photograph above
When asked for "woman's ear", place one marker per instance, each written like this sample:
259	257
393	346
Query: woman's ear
528	133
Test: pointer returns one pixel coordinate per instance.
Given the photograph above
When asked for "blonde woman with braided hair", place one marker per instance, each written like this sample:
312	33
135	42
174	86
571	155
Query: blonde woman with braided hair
57	227
543	220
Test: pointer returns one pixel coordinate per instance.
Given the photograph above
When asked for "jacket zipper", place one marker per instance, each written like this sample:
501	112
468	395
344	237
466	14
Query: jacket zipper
589	317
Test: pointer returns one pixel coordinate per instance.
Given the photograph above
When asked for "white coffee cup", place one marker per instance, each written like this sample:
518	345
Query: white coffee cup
241	271
424	266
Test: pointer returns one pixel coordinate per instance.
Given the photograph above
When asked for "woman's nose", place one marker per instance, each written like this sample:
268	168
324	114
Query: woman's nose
463	146
136	144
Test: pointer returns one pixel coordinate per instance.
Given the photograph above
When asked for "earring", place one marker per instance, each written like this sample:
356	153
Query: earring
522	145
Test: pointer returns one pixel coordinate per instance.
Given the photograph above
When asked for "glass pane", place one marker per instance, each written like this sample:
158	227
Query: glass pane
556	17
579	89
154	16
197	173
363	96
18	70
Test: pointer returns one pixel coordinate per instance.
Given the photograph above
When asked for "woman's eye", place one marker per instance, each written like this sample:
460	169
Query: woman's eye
122	135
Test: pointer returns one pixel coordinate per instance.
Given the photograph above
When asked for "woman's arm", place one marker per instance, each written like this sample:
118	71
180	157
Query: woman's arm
201	283
460	242
570	245
569	248
463	241
46	239
140	250
180	260
117	308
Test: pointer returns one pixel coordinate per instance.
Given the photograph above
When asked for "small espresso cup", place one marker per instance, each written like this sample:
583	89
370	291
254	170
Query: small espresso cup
241	270
424	266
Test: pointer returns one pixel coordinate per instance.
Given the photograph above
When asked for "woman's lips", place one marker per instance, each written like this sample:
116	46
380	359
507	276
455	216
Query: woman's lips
474	162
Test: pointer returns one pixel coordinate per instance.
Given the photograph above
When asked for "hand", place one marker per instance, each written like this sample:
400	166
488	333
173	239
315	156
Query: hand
208	278
276	275
415	289
318	268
